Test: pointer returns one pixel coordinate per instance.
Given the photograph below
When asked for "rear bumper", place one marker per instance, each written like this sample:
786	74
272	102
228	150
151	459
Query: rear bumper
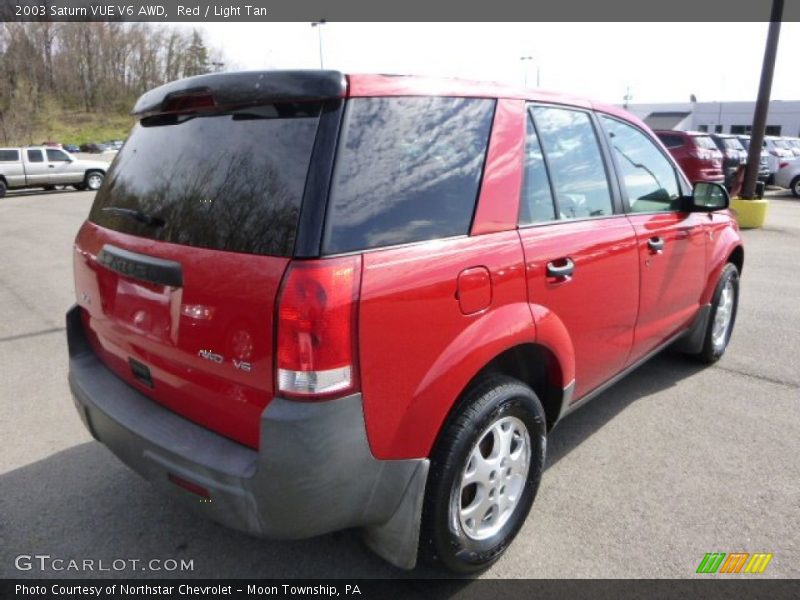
314	472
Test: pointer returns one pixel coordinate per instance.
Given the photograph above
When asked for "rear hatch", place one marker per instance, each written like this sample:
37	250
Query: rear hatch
178	267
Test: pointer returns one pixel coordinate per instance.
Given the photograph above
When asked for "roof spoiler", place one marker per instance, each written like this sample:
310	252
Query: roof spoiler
240	89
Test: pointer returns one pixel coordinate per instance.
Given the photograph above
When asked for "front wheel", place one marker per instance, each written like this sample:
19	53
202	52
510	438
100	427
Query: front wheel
485	471
724	305
93	181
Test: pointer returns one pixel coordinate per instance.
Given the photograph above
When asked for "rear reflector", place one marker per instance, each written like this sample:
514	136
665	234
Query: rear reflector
194	488
316	338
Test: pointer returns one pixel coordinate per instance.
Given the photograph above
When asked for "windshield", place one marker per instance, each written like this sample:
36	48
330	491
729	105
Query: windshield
231	181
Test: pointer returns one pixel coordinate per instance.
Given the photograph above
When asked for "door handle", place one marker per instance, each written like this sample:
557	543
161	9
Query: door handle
656	244
560	268
52	166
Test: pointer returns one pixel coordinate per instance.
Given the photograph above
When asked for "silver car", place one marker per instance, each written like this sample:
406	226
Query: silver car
46	167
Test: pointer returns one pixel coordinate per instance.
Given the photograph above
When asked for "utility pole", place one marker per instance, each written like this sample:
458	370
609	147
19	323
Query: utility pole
762	103
318	25
627	97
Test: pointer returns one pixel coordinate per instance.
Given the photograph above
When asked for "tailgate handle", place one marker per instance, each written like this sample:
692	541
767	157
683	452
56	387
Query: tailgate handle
141	266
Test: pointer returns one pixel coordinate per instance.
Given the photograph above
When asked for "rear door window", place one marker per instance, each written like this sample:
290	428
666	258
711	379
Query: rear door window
577	170
407	170
35	156
232	181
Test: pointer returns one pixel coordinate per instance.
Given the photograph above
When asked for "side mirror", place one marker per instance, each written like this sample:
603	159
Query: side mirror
708	197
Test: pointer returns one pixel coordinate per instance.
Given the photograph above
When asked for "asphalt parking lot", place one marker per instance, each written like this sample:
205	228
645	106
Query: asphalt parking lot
673	462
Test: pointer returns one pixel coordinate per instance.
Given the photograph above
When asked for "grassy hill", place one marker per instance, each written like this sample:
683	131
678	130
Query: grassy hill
76	127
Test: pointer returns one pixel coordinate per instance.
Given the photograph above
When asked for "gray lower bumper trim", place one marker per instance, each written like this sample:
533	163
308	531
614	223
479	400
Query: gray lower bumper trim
314	472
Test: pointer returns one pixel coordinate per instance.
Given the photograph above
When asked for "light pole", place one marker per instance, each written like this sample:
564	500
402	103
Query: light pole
318	25
525	68
762	102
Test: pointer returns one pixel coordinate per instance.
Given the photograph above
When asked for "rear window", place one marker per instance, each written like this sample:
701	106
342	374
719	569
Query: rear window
231	181
704	141
670	140
407	170
9	155
732	144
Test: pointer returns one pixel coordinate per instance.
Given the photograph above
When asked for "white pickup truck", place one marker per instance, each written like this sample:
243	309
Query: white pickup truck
40	166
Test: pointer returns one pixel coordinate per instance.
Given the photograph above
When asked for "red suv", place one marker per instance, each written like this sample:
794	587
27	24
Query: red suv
309	301
696	153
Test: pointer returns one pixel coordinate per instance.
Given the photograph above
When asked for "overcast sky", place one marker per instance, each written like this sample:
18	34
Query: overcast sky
661	62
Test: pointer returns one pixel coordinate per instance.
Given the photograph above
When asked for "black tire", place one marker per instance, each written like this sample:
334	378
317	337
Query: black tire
90	181
795	186
712	351
444	543
3	188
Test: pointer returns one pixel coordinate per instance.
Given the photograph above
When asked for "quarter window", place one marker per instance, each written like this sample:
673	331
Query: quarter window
407	170
9	156
648	178
577	171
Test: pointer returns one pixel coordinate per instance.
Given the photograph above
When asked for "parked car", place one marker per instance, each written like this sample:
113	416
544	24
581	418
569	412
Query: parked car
293	335
788	176
72	148
792	144
47	167
733	155
696	153
764	173
777	148
92	147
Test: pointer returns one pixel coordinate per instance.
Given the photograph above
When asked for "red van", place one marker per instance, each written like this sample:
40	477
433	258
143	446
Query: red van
309	301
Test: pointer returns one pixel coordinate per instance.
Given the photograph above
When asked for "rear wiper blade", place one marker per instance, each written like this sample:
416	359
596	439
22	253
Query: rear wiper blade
136	215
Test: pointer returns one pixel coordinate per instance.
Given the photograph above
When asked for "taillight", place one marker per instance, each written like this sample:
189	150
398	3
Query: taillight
316	341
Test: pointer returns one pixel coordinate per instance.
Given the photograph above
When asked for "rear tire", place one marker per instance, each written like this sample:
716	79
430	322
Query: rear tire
724	305
795	186
3	188
485	470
